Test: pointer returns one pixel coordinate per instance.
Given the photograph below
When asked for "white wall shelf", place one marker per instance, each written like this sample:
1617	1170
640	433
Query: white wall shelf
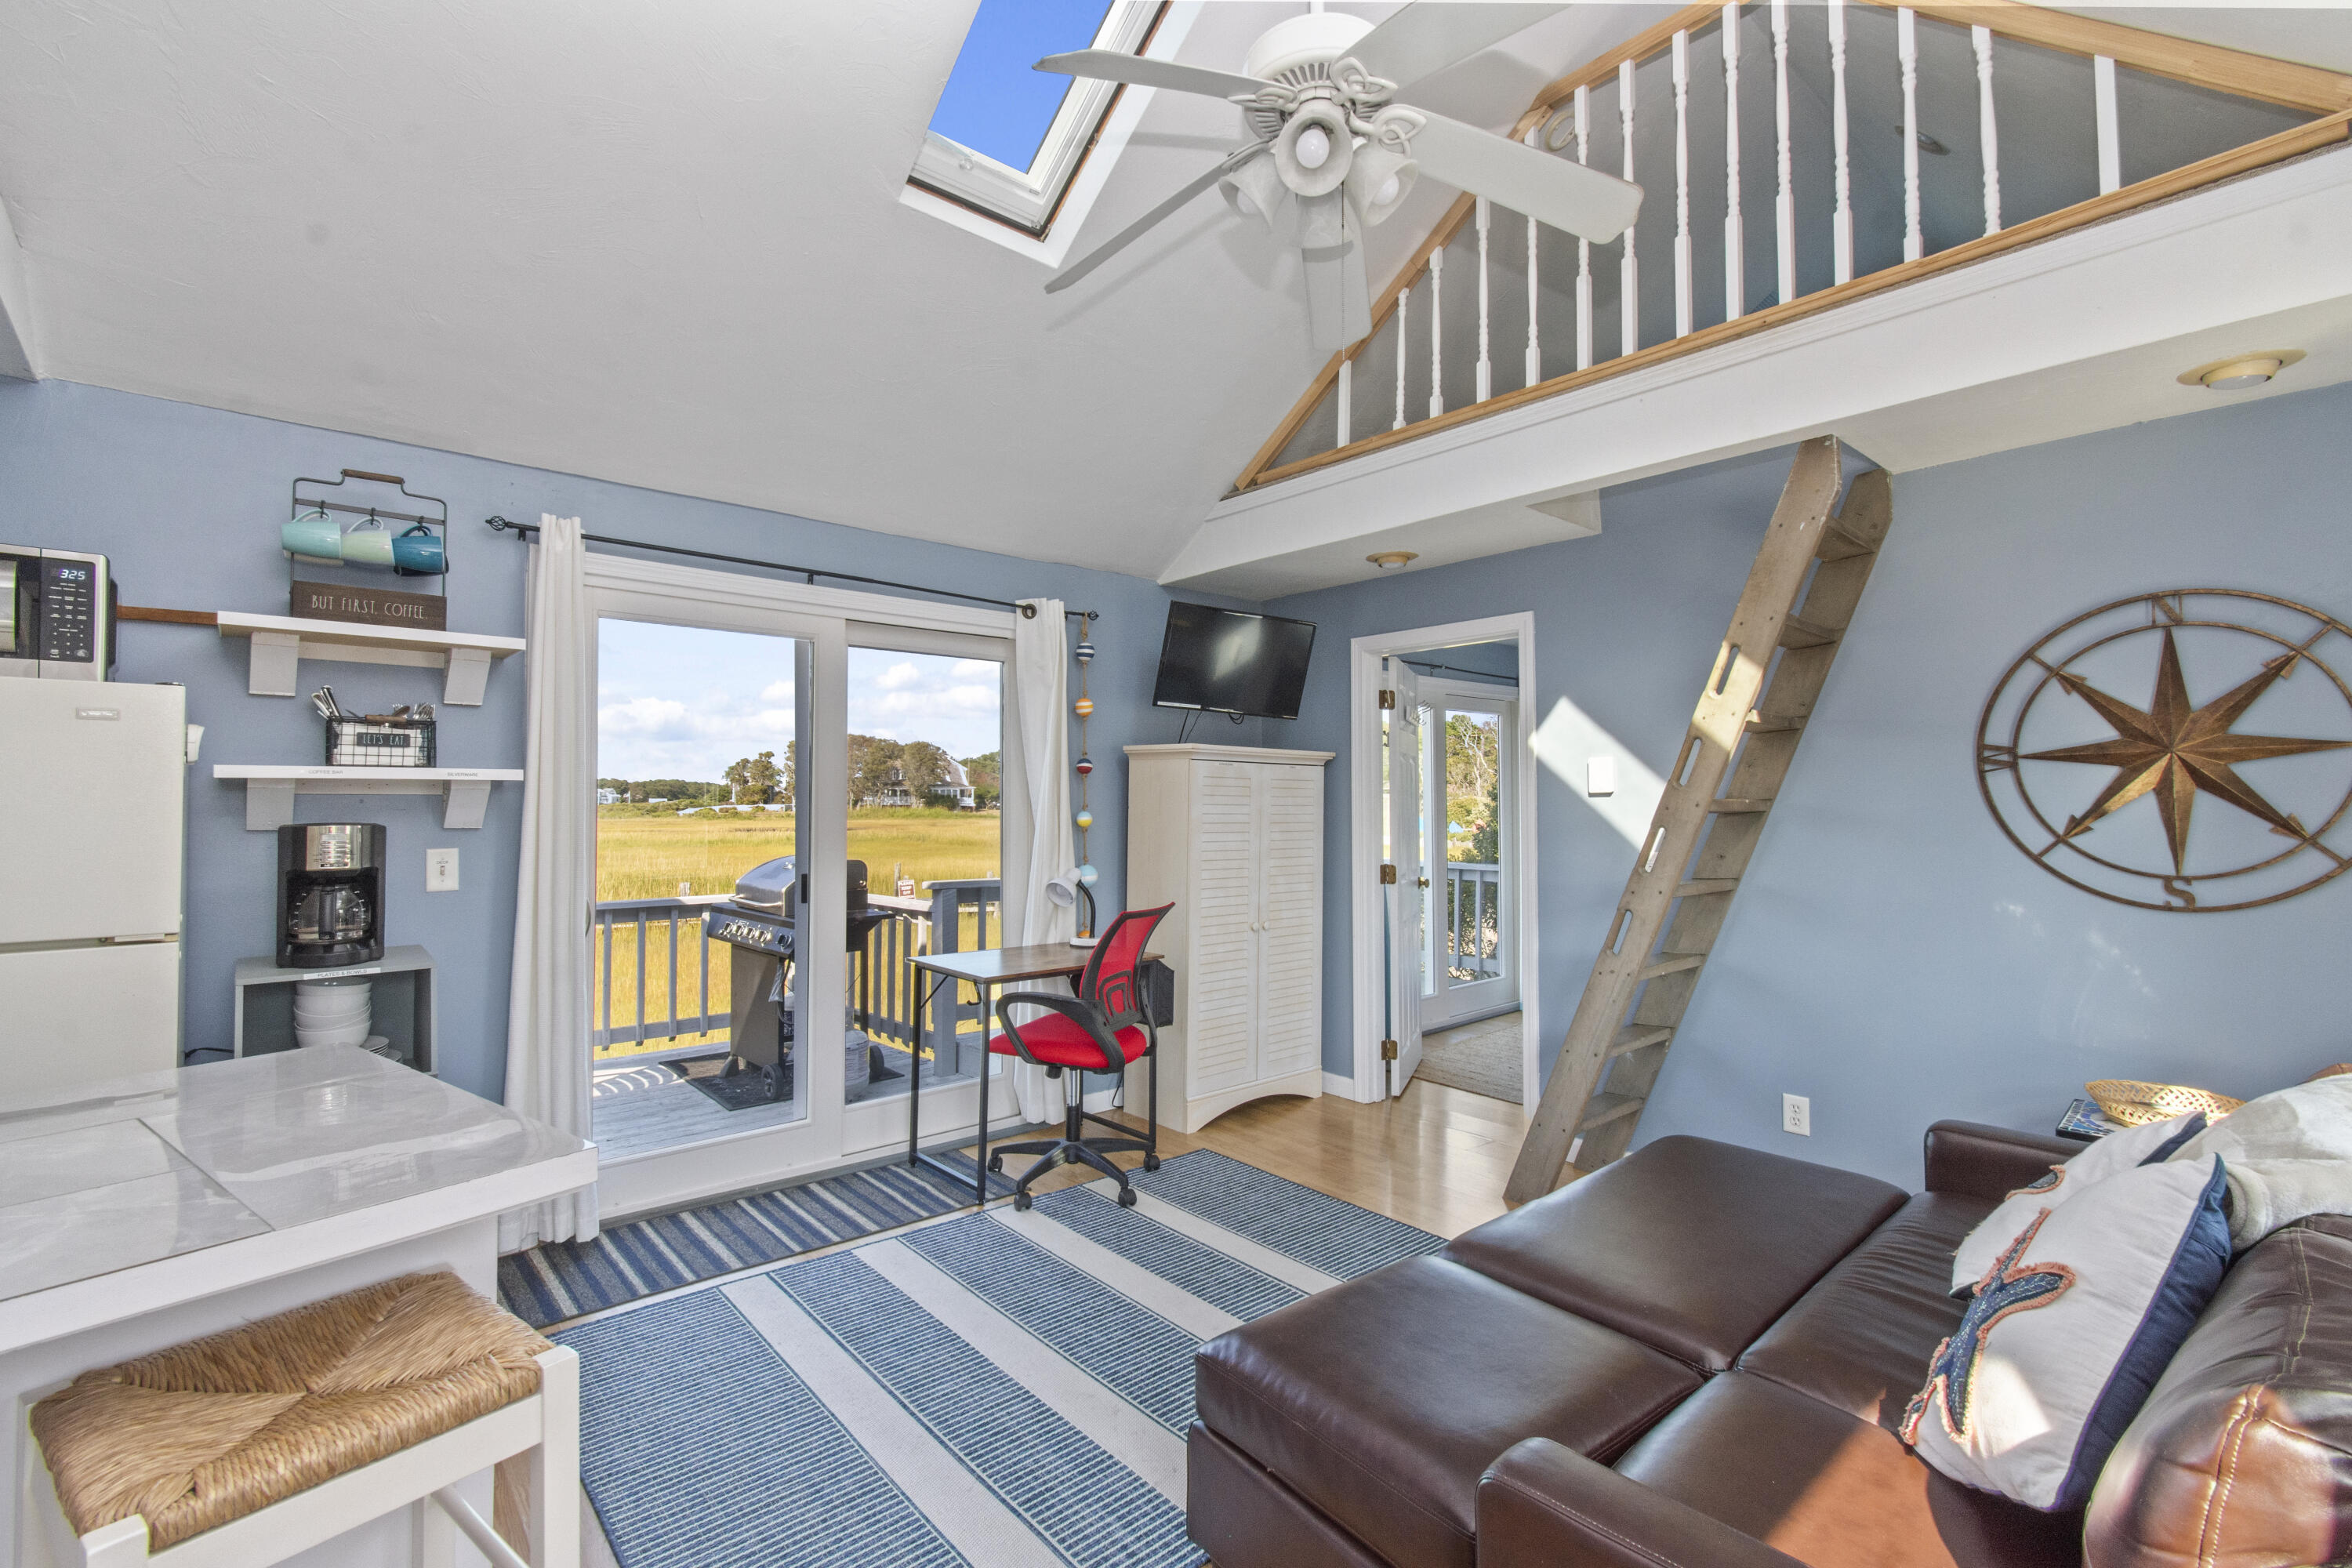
281	642
270	789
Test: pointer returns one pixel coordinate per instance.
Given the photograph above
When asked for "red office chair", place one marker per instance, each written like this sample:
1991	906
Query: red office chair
1101	1029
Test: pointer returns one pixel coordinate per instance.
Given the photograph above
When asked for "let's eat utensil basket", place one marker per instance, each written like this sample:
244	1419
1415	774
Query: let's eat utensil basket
2134	1103
357	743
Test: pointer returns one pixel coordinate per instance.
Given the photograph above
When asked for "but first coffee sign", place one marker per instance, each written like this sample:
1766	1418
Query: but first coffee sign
371	606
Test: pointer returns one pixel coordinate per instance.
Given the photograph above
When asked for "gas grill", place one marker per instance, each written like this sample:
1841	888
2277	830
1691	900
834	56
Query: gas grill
761	923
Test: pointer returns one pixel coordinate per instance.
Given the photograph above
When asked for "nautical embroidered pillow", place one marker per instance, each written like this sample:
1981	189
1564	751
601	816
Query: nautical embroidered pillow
2134	1146
2072	1324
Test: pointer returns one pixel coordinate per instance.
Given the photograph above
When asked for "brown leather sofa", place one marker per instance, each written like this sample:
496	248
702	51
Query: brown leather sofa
1696	1357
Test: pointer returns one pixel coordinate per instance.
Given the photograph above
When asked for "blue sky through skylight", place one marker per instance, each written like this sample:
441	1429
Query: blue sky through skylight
994	103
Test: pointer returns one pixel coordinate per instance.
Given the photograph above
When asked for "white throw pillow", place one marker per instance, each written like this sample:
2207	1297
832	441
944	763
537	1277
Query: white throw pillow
2070	1326
2150	1145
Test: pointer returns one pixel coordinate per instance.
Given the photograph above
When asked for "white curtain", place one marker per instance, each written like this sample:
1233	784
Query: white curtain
550	1011
1041	703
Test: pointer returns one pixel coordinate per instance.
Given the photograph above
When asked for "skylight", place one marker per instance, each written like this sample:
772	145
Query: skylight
1005	139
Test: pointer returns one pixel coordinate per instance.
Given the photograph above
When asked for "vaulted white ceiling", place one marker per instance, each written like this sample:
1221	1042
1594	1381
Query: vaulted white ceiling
663	245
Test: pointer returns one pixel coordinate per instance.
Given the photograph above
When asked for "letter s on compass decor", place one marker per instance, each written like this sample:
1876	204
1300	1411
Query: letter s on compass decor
2098	744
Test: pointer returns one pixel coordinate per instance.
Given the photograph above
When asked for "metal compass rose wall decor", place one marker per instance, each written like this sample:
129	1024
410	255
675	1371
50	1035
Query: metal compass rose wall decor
2097	744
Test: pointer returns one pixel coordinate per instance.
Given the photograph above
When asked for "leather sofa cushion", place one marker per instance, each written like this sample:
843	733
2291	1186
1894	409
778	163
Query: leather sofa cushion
1861	1339
1243	1518
2242	1453
1834	1491
1383	1401
1689	1245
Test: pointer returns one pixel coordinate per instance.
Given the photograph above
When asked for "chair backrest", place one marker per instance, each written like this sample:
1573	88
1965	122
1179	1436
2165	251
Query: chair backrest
1113	980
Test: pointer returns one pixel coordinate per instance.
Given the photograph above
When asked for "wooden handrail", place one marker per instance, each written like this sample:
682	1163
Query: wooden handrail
2306	87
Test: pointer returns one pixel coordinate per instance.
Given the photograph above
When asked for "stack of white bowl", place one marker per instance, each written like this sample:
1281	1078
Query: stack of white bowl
331	1012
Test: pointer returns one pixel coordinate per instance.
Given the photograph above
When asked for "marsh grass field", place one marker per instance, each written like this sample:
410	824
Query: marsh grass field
642	855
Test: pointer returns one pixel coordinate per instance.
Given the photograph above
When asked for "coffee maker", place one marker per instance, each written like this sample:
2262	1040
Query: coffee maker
330	894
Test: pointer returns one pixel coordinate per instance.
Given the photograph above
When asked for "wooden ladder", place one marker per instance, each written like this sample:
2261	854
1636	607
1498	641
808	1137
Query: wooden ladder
1752	710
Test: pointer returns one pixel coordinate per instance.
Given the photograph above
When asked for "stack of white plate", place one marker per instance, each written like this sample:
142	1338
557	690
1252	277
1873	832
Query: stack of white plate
331	1012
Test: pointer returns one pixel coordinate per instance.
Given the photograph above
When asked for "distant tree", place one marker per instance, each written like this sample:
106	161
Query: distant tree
873	768
986	774
755	781
785	794
922	765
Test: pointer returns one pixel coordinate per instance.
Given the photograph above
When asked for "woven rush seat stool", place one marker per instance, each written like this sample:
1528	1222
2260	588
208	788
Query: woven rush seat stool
249	1447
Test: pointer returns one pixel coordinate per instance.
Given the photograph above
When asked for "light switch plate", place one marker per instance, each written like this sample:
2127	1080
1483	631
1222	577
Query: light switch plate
440	870
1601	775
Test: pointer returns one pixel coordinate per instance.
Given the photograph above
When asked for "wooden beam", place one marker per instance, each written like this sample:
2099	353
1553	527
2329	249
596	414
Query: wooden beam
2276	149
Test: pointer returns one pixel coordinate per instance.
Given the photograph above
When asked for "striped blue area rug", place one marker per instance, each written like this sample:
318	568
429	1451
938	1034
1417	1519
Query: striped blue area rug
569	1279
995	1389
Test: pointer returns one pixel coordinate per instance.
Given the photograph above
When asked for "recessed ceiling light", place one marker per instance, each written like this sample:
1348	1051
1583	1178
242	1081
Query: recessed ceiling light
1393	560
2240	372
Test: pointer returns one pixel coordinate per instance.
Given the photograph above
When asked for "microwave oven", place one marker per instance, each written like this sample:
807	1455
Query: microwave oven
56	615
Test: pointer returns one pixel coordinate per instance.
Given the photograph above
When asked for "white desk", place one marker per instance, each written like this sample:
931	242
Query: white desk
141	1211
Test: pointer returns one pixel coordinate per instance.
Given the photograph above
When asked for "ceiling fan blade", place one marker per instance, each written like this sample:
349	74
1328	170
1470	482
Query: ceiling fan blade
1339	300
1109	65
1135	230
1425	37
1583	201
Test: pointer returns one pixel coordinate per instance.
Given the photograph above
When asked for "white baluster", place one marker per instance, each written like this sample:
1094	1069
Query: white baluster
1629	274
1681	184
1404	297
1784	205
1907	49
1735	248
1841	217
1485	366
1583	246
1986	137
1436	319
1347	397
2111	149
1535	297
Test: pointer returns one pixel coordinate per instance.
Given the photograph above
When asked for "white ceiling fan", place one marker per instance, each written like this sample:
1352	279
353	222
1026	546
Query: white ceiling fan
1331	155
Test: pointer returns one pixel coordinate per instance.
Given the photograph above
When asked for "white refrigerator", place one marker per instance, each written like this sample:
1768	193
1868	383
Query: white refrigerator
93	783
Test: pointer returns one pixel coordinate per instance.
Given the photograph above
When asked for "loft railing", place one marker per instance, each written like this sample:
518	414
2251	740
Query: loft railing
1842	220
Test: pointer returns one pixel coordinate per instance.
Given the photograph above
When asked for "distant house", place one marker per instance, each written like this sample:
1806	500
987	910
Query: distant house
608	797
956	788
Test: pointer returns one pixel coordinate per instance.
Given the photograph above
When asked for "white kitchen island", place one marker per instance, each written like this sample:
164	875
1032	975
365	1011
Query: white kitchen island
141	1211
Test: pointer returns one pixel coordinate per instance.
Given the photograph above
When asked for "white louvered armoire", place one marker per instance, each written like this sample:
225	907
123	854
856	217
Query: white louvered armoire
1232	836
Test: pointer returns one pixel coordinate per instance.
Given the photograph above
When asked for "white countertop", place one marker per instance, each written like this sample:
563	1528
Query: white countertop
120	1195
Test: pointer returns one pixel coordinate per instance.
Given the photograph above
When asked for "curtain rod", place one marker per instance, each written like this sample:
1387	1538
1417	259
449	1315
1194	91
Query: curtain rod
1455	668
1028	612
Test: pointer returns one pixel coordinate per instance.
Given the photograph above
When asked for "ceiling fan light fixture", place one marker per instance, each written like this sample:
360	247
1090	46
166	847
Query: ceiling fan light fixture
1318	129
1254	189
1379	181
2240	372
1393	560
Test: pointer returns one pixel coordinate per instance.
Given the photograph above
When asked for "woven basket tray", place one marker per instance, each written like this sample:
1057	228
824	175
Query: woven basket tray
2133	1103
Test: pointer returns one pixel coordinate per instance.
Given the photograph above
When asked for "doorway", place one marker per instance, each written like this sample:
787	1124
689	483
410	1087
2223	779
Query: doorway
1443	834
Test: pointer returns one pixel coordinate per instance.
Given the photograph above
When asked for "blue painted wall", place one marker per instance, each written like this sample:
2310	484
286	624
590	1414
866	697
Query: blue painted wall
1891	955
187	502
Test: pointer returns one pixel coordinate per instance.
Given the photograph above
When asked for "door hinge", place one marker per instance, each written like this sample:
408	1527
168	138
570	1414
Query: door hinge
1388	876
1388	1050
1387	701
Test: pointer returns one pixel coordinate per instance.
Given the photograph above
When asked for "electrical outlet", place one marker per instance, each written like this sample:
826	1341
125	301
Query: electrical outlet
440	870
1797	1115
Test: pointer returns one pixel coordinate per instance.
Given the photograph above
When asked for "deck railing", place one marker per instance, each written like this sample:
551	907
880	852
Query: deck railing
658	977
1474	921
1846	216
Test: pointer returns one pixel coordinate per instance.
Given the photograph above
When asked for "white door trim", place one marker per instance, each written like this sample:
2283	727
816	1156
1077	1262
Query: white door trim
1364	656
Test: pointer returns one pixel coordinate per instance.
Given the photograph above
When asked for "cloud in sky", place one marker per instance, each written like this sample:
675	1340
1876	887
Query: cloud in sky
686	701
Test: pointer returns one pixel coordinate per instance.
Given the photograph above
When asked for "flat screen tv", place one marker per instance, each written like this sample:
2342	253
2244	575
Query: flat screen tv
1230	662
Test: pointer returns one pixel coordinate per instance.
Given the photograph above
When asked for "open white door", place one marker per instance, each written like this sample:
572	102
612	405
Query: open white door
1408	897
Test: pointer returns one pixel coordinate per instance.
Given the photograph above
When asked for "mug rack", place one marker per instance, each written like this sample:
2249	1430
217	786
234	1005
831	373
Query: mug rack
301	504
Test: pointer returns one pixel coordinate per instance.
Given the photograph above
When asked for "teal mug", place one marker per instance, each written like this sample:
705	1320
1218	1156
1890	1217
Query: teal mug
313	536
419	552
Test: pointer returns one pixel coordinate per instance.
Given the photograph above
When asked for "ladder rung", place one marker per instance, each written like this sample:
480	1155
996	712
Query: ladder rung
1798	632
1605	1108
1637	1037
1672	963
1702	886
1731	805
1757	724
1837	544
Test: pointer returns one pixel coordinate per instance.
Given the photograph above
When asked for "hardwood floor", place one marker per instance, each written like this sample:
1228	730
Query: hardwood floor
1435	1157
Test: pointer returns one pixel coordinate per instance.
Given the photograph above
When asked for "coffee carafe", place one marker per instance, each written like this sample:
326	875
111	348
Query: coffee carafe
330	894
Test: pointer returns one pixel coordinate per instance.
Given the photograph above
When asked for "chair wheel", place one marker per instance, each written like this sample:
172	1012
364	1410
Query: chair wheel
1126	1197
996	1163
1020	1200
1152	1162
